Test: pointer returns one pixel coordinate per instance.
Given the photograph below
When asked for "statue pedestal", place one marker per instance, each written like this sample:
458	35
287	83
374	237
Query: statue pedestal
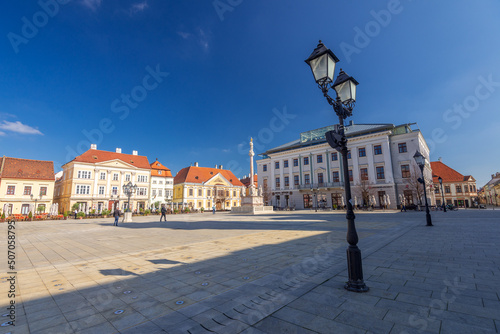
127	217
252	205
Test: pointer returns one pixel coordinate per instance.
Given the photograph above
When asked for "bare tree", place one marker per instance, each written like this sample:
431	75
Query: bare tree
364	191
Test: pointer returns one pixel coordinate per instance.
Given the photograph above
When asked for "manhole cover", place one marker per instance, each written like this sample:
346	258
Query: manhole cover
119	312
126	292
179	302
204	284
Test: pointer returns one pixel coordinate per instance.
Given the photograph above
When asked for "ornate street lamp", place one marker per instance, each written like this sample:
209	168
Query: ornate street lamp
322	62
421	161
442	192
129	189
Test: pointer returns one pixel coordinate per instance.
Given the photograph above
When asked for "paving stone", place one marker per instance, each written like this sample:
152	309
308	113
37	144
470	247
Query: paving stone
323	325
275	325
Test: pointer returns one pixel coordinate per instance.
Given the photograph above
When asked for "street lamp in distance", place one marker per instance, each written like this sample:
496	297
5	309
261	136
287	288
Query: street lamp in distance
322	62
421	162
440	179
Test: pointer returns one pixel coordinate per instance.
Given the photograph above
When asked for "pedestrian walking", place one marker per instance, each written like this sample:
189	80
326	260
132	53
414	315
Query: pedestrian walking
116	214
403	205
213	209
76	212
163	213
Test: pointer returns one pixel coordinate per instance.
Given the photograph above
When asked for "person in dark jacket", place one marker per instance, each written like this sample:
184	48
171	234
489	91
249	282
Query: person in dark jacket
116	214
163	213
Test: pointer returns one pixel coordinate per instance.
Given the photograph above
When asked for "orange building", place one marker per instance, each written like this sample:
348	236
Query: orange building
458	190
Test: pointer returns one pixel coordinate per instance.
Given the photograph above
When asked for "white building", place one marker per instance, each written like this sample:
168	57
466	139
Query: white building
307	172
94	180
162	185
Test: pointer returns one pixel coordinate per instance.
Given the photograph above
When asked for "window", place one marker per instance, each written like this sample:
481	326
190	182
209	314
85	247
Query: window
142	178
190	192
287	181
82	189
41	208
459	188
160	182
307	180
295	162
380	173
234	193
436	190
208	192
320	177
447	189
11	190
349	154
474	188
377	149
227	193
153	192
402	148
200	192
102	176
350	175
306	161
83	174
335	156
264	168
115	177
25	209
127	177
363	173
277	182
296	180
43	191
319	158
27	190
142	191
285	164
405	171
114	191
277	165
361	152
101	190
154	182
160	192
159	172
335	177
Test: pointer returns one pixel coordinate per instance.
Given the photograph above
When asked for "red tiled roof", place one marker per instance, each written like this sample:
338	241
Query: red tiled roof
14	168
448	174
203	174
246	181
157	166
95	156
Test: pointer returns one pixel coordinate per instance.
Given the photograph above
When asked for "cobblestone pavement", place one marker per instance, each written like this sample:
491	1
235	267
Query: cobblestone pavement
278	273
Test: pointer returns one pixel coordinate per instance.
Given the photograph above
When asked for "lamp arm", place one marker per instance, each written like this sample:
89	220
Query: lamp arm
342	110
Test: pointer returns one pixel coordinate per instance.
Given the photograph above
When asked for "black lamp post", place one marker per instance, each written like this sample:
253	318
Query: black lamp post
420	160
442	192
36	199
129	189
322	62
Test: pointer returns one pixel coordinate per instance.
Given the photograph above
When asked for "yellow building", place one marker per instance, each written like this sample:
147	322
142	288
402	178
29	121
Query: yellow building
94	180
26	185
201	187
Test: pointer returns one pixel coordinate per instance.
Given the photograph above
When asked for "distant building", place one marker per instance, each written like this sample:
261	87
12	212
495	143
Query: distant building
308	173
459	190
200	187
162	184
94	180
491	190
26	186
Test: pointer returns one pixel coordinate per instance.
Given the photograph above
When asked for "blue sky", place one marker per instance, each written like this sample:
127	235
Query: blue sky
192	81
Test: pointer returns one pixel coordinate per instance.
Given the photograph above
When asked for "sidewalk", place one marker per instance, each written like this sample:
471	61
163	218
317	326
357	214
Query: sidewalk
280	273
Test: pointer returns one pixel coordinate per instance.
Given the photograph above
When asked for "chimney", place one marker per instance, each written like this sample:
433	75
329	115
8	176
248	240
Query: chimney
134	152
220	167
351	123
440	159
118	150
93	146
196	164
216	167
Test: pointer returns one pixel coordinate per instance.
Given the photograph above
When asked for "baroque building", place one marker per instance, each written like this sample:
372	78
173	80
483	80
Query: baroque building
202	187
94	180
458	190
162	185
26	186
307	172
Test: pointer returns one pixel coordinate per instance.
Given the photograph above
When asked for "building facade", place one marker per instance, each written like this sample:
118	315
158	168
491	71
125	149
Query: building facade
202	187
26	186
162	185
95	180
491	190
307	173
458	190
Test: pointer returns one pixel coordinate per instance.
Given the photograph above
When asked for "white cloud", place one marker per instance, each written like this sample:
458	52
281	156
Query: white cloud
203	39
183	34
19	128
138	7
2	133
92	4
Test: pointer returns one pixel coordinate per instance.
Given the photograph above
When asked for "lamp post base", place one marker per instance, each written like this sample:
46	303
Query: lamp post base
355	269
429	220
